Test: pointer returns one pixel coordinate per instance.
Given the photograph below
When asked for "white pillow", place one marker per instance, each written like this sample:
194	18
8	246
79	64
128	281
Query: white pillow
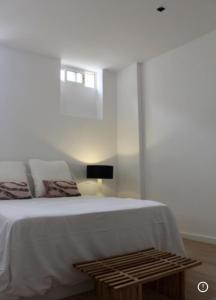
47	170
13	171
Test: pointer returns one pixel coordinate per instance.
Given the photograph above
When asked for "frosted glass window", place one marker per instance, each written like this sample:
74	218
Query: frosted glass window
85	78
90	79
71	76
79	77
62	75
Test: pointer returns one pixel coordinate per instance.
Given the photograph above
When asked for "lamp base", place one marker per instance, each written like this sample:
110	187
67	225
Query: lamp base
100	188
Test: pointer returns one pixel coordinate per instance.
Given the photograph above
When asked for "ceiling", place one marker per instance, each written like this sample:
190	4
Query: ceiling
103	33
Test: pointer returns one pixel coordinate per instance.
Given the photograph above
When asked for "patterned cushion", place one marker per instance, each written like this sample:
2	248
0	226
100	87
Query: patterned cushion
14	190
60	188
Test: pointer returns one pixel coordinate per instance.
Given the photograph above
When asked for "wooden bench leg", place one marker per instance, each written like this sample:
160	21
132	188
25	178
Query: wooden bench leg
140	293
172	287
129	293
103	292
176	287
117	295
182	286
99	291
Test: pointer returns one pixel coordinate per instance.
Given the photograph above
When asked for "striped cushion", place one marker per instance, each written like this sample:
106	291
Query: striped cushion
60	188
14	190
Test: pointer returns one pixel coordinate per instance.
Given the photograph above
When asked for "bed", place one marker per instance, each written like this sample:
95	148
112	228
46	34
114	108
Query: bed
40	239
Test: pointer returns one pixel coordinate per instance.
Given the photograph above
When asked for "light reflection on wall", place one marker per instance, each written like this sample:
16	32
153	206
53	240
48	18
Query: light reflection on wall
88	155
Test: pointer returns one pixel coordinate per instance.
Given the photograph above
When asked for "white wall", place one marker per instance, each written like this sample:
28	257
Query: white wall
180	132
79	101
128	133
31	124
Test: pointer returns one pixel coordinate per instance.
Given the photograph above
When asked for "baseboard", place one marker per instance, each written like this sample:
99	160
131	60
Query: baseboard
199	238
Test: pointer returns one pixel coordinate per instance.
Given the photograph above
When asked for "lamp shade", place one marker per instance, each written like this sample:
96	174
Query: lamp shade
100	171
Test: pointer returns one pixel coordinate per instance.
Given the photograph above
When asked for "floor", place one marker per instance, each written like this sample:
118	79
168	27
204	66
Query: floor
206	272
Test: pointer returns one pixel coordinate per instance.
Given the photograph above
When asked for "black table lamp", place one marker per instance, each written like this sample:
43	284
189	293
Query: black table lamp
100	172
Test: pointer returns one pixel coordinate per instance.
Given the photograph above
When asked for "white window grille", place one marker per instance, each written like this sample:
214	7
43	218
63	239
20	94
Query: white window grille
86	78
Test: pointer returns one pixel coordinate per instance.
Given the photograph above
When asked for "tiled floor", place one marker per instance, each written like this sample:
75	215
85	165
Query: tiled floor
206	272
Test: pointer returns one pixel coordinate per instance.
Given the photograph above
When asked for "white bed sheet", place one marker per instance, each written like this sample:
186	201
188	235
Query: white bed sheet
40	239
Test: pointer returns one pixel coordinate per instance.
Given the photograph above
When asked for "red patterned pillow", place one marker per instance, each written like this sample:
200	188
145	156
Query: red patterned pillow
58	188
14	190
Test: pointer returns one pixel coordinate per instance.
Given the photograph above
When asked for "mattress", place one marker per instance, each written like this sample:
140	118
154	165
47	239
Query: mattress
40	239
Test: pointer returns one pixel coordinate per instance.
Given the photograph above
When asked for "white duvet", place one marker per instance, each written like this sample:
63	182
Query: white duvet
40	239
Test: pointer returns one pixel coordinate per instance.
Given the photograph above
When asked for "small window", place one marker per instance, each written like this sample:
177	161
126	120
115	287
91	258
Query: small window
79	77
90	79
62	75
71	76
86	78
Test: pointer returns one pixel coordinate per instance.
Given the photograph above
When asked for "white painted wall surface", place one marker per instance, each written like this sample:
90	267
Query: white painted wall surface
32	126
128	133
83	102
180	129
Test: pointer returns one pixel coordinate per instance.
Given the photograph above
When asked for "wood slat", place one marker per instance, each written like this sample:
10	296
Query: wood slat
133	270
113	258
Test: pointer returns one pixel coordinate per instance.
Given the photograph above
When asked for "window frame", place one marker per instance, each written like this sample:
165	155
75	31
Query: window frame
66	69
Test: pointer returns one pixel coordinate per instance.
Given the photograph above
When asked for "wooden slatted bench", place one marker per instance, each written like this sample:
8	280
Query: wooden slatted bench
124	277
